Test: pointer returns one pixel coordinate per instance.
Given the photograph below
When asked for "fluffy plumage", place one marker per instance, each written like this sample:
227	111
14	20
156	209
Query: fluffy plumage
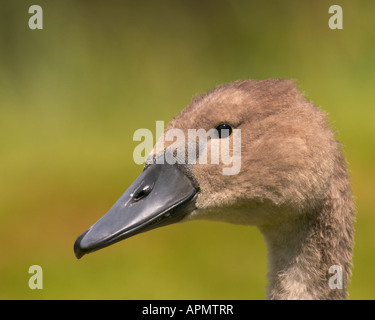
293	183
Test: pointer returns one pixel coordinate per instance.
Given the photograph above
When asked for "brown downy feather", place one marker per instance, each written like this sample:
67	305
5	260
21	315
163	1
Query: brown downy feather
293	183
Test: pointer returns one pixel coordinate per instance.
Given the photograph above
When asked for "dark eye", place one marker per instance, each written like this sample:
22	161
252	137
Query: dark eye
224	130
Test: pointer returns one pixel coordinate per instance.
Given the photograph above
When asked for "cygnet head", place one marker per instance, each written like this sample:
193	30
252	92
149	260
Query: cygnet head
286	167
287	152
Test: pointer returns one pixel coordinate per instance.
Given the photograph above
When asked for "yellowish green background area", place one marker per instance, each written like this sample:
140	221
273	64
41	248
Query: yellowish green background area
72	95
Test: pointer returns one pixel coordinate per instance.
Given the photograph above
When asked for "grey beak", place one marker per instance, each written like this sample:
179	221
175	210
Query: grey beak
161	195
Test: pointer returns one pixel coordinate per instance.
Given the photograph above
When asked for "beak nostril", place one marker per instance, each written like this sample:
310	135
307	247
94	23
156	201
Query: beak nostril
142	193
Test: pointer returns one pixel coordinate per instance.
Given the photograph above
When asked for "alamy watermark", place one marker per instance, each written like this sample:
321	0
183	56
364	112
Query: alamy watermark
335	281
36	280
36	20
196	146
335	21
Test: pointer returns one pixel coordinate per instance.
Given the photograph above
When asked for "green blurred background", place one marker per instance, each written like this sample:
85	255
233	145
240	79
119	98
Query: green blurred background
72	95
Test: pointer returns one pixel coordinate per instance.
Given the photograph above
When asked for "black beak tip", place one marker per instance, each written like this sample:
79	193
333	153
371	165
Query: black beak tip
78	250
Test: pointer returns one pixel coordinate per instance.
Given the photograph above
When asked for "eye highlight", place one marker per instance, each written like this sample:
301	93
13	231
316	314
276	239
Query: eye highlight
224	130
